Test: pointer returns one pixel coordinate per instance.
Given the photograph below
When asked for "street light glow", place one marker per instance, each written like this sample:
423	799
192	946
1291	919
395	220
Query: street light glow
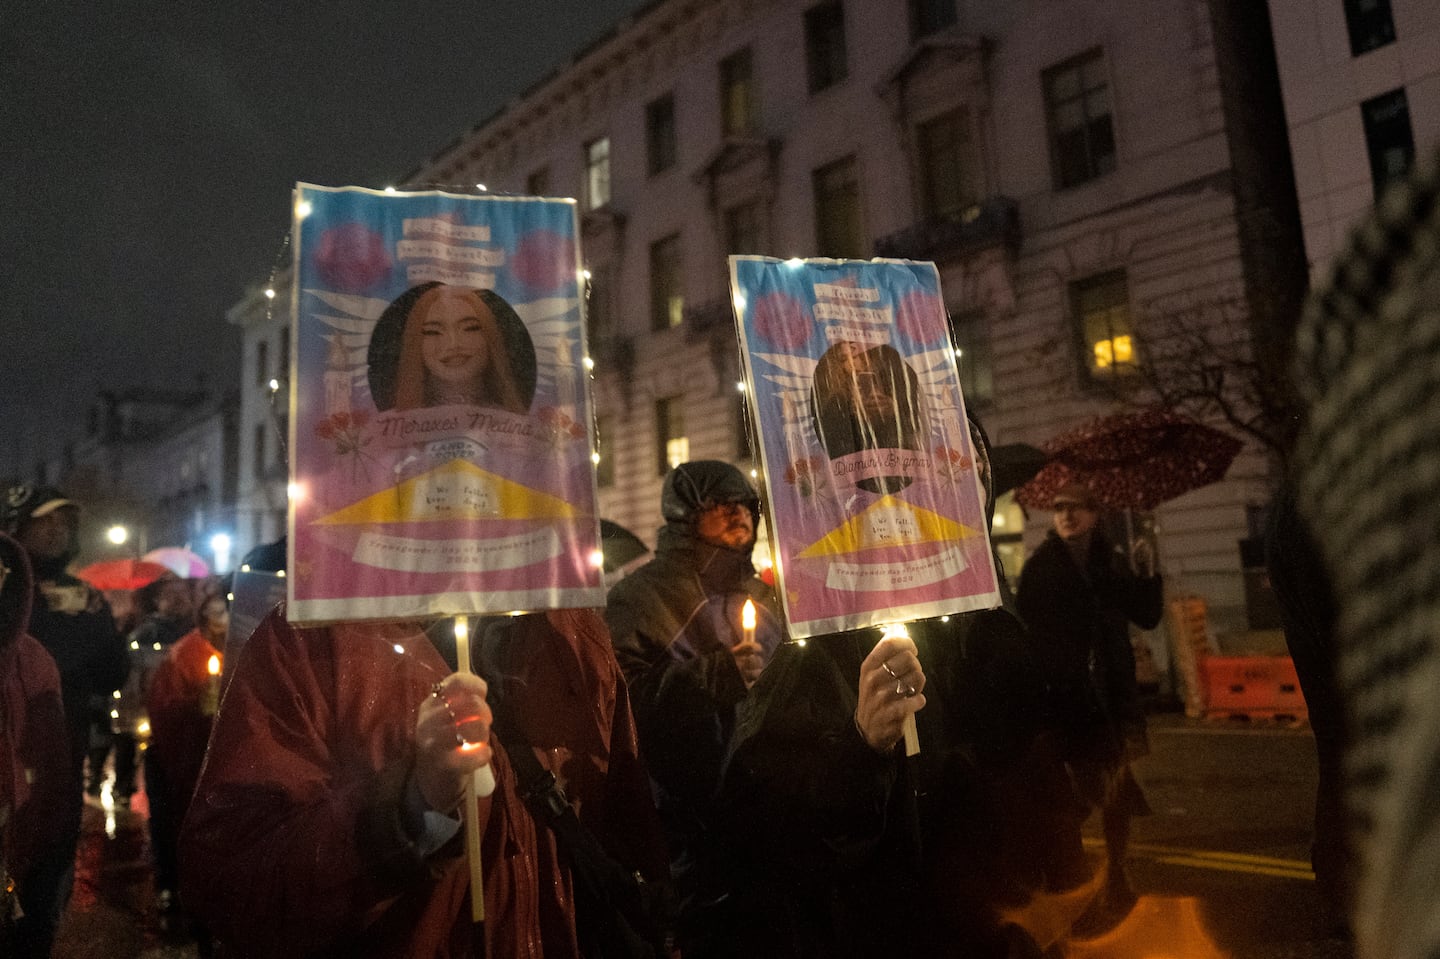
117	535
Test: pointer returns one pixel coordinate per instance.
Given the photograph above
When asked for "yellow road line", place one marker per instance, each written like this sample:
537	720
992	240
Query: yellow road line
1224	861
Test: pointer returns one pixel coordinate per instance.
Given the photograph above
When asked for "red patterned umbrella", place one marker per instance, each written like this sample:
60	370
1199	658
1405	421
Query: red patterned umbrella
1132	460
122	573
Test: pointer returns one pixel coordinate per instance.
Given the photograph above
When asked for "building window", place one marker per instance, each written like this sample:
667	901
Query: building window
598	311
1370	25
738	114
262	362
667	297
538	182
972	355
825	45
605	455
930	16
744	441
943	145
743	230
837	210
1077	106
597	173
258	468
1388	137
660	134
1007	534
672	445
1101	306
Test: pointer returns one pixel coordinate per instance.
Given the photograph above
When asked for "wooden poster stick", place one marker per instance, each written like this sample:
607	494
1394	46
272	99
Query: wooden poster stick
477	786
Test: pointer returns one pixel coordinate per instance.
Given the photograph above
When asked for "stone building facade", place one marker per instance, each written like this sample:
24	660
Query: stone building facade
1077	171
1361	81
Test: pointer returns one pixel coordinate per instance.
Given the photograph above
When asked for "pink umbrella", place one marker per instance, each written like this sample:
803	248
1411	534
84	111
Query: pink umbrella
181	561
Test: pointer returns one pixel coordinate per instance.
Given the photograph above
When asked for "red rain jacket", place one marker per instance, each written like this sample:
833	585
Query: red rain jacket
293	844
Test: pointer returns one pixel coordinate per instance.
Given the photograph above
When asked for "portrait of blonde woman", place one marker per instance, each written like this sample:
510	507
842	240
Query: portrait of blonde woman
443	345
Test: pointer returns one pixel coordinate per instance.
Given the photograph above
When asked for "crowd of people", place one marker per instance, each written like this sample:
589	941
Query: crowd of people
89	690
671	776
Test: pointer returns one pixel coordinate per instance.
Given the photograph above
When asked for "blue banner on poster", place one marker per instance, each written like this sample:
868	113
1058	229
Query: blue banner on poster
869	467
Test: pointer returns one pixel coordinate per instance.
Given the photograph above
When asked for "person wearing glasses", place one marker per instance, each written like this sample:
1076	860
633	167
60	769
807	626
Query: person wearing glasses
1078	594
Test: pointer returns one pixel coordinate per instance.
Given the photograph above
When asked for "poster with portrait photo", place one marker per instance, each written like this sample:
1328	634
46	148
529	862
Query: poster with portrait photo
440	456
870	470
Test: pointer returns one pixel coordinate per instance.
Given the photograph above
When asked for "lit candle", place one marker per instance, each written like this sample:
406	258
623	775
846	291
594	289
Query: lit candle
911	734
477	786
210	698
747	620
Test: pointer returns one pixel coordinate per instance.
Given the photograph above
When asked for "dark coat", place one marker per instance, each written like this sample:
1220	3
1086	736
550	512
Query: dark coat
829	834
1079	620
73	622
673	622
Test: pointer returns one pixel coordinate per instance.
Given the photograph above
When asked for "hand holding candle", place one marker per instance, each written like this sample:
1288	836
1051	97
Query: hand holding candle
749	654
891	693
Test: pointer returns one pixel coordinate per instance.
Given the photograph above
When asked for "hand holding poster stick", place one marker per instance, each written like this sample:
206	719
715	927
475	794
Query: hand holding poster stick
891	692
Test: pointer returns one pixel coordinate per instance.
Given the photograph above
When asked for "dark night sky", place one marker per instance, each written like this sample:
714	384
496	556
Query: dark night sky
149	148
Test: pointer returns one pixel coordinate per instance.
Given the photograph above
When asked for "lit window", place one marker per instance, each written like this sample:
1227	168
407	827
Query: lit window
597	173
672	445
604	448
1101	307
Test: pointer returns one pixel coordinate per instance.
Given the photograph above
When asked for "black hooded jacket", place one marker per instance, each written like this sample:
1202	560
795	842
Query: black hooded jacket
72	620
673	622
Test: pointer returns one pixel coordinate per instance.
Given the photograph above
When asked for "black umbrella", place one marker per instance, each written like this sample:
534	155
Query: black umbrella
619	546
1015	464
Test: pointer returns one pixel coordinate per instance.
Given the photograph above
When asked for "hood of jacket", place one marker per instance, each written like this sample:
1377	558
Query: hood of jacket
692	488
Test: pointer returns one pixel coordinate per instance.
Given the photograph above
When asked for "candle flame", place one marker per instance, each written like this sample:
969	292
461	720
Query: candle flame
747	615
213	666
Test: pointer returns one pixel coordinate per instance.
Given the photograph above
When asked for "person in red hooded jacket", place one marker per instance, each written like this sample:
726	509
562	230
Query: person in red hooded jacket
326	819
37	789
181	702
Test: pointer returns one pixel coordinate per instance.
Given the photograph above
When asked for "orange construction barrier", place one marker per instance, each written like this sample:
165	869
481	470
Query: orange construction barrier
1252	687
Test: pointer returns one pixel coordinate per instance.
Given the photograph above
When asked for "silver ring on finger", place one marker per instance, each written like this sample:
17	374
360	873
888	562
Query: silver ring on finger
893	674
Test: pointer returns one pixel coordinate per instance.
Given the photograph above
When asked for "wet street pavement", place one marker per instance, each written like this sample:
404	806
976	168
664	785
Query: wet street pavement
1221	866
113	913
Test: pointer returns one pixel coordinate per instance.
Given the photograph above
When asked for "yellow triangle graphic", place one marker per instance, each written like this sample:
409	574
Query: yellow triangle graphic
457	490
887	522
